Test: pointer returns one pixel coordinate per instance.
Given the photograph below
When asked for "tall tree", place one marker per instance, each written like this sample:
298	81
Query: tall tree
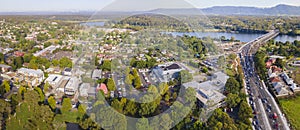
66	105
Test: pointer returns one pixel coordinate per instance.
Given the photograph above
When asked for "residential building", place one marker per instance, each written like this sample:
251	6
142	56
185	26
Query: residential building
67	72
96	74
282	91
102	87
31	77
5	68
287	79
84	89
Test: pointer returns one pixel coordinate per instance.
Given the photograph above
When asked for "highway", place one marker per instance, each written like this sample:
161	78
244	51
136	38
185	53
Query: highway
267	115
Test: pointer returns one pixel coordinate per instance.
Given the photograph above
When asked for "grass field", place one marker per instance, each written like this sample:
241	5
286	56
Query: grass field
292	109
296	77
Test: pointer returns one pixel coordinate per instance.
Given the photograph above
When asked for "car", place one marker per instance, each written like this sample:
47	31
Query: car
268	110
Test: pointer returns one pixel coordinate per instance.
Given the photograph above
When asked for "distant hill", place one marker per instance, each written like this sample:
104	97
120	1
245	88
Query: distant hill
279	10
236	10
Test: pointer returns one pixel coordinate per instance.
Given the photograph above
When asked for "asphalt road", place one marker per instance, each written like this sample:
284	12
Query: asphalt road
261	101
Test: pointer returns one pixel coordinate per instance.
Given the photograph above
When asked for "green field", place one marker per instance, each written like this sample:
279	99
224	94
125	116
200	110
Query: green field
291	108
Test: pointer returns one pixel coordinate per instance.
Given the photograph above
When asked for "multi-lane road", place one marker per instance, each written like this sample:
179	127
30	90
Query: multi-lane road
267	115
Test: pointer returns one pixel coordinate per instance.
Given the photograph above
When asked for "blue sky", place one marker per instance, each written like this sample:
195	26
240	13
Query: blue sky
75	5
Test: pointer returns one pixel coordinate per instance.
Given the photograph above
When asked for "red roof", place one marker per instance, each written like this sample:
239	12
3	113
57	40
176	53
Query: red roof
102	87
275	80
268	64
275	69
272	60
19	54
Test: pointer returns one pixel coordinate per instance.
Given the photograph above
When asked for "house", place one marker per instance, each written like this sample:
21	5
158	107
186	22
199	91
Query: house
96	74
276	69
19	54
92	92
166	72
67	72
294	87
270	62
275	79
5	68
287	79
102	87
282	91
296	63
278	85
83	89
271	74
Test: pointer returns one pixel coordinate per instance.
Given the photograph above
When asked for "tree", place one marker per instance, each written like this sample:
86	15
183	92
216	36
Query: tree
232	86
152	89
184	76
142	124
52	102
106	65
65	62
116	104
232	100
6	86
82	109
165	122
221	120
163	88
18	62
245	112
130	108
148	106
30	115
279	62
1	57
27	57
128	79
41	94
66	105
111	84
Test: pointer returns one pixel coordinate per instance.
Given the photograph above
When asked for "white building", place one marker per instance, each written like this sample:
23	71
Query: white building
209	93
54	80
72	86
210	98
83	89
96	74
31	76
287	79
166	72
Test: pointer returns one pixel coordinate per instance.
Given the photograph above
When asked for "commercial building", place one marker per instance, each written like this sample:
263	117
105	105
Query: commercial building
209	93
72	86
166	72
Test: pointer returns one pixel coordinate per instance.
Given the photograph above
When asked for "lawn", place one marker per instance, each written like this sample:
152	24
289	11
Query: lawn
291	108
296	77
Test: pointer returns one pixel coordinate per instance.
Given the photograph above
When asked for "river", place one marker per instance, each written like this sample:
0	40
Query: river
243	37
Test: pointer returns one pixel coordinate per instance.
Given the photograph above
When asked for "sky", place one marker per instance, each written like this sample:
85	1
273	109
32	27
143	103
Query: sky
128	5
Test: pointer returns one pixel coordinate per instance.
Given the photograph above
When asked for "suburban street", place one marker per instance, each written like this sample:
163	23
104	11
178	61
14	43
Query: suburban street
267	114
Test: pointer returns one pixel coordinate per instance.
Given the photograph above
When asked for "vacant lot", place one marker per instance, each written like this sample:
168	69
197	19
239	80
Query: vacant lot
291	107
